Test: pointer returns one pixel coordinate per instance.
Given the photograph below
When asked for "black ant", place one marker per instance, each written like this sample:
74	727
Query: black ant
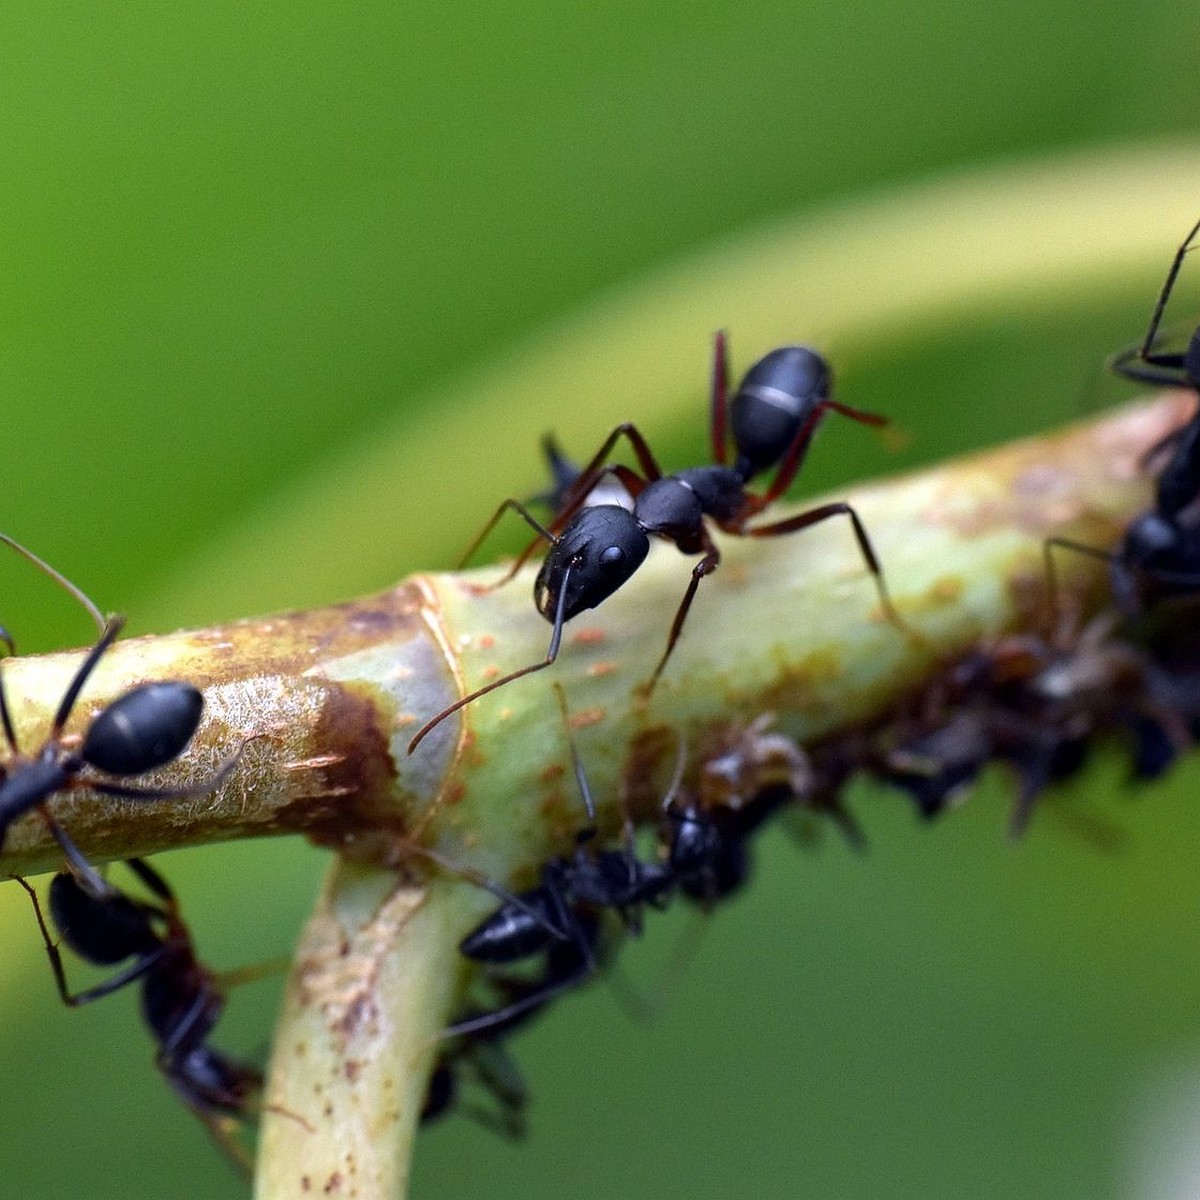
146	727
557	918
1158	547
181	998
595	549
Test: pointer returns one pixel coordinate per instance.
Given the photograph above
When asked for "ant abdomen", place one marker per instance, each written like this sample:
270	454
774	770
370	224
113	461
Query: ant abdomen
149	726
774	400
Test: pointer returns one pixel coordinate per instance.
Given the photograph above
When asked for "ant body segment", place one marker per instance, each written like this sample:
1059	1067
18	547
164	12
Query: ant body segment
596	548
181	998
146	727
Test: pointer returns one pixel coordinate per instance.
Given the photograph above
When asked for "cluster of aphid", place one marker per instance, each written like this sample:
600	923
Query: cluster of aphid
1035	703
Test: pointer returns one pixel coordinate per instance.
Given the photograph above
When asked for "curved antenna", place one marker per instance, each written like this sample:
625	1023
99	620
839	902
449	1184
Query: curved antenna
551	655
63	582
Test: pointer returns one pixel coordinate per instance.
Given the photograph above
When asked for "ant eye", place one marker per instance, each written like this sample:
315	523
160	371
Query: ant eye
612	556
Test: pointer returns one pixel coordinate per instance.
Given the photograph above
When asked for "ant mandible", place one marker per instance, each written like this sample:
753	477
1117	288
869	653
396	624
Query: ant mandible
146	727
595	549
181	997
1157	546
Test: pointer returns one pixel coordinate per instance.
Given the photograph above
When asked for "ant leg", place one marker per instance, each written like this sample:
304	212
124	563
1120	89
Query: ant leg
543	534
706	566
517	1010
1165	295
237	976
58	578
498	1073
588	477
794	458
96	886
1158	370
112	627
816	515
551	655
129	792
224	1128
153	880
1052	585
115	983
720	390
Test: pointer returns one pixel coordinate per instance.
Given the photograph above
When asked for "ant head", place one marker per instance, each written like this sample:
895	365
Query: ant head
102	929
596	553
777	396
149	726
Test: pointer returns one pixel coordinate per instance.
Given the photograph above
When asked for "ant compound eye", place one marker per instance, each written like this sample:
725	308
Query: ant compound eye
612	556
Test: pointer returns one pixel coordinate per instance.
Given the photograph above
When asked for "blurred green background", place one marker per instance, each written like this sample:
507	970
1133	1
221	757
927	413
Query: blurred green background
272	280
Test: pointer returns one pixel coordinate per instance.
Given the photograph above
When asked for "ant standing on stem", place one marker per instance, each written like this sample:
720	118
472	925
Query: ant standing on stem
146	727
595	549
1162	546
181	997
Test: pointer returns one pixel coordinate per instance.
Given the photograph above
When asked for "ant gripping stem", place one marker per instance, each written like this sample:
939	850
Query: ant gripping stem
558	919
1161	546
182	998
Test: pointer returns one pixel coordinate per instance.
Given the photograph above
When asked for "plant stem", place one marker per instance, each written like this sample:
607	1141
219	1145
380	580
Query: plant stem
325	701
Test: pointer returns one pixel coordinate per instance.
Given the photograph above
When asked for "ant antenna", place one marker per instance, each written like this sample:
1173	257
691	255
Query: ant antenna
551	655
63	582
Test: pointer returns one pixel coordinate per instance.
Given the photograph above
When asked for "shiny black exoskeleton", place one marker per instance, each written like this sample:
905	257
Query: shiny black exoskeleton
181	998
1159	555
147	727
595	549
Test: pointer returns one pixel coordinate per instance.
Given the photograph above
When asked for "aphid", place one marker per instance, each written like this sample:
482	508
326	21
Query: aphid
146	727
181	998
1159	554
595	549
1037	704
